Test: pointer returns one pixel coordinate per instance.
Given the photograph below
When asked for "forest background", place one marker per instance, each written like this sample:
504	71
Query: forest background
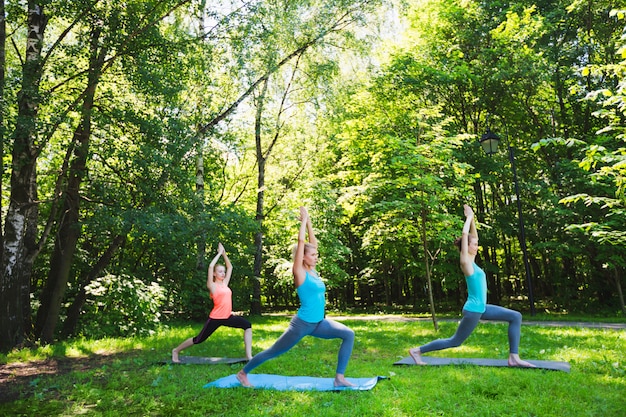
137	135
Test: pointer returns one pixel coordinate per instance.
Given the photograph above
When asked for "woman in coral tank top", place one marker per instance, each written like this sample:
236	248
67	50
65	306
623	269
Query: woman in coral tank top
222	313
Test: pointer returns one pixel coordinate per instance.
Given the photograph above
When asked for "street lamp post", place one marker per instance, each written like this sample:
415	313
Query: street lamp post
489	142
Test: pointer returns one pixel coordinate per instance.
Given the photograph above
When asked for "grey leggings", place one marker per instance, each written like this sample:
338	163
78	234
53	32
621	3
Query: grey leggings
298	328
470	321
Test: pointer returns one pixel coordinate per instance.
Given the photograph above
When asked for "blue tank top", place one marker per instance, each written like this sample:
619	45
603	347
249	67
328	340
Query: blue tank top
312	294
476	291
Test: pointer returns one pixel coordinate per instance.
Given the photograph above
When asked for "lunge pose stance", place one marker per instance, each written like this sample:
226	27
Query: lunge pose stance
222	313
309	321
476	307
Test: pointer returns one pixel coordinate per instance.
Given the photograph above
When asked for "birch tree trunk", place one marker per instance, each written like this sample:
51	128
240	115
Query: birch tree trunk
20	228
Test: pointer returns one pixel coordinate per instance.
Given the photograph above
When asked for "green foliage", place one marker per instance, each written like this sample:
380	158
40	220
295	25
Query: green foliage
121	306
605	161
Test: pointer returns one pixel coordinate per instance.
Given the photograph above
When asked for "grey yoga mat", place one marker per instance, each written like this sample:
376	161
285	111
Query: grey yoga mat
431	360
198	360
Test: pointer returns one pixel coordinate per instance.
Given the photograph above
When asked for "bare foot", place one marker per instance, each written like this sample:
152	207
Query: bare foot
242	377
416	354
514	360
341	381
175	356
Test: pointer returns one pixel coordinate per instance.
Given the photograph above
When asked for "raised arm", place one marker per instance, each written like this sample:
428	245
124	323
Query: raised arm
229	266
299	273
210	284
470	213
469	229
311	233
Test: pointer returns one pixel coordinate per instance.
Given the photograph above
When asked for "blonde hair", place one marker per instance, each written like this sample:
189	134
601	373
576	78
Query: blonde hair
307	248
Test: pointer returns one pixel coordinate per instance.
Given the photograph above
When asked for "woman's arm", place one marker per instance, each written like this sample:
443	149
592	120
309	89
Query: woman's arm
469	229
309	227
229	266
470	213
210	284
299	273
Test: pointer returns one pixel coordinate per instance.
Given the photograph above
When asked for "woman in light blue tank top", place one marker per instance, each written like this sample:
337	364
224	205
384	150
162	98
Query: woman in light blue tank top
310	319
476	307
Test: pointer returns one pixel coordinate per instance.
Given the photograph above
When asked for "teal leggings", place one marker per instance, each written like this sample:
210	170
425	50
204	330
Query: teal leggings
469	322
298	328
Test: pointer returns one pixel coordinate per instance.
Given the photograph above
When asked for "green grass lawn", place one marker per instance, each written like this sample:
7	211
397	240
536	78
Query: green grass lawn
122	377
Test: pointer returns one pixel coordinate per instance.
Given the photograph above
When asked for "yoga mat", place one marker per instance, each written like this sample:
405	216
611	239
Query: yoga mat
431	360
198	360
295	383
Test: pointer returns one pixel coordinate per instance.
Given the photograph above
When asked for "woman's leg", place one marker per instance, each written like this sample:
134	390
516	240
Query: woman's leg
247	342
467	325
330	329
209	327
514	318
238	322
177	349
297	329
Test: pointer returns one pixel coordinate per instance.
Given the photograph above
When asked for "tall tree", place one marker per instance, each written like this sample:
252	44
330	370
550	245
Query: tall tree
20	233
316	25
3	58
69	227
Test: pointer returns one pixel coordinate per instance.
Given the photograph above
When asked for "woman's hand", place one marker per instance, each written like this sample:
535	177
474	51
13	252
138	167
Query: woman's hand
304	214
220	249
467	210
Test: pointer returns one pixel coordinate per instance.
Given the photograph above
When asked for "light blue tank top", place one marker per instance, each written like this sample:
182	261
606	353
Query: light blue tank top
476	291
312	294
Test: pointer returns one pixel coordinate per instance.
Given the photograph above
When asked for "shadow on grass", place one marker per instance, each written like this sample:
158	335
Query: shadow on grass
20	379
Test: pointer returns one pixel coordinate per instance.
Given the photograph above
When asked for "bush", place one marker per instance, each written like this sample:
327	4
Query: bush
119	306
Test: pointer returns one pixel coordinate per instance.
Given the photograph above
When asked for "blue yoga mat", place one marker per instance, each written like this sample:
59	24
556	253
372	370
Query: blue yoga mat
295	383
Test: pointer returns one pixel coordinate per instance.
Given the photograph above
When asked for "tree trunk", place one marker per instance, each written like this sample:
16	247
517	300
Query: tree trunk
20	229
201	243
3	39
69	227
431	299
255	306
620	294
73	312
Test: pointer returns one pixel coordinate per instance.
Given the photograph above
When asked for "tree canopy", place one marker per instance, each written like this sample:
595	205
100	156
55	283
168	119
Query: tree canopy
137	136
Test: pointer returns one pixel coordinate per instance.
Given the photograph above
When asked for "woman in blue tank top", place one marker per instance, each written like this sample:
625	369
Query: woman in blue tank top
476	307
310	319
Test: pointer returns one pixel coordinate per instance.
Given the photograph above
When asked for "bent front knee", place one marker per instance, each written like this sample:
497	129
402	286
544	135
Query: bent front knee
349	335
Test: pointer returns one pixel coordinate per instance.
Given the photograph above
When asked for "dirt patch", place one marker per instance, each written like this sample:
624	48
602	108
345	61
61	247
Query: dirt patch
17	378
